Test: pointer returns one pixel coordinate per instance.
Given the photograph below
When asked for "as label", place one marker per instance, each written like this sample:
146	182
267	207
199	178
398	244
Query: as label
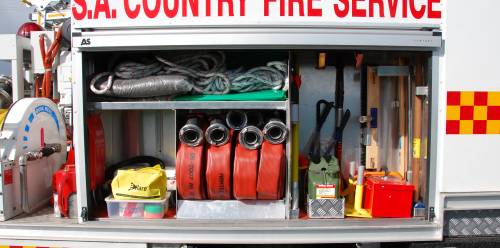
86	42
325	191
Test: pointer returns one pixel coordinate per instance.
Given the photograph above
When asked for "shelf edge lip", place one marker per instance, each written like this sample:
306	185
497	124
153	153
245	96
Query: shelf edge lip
173	105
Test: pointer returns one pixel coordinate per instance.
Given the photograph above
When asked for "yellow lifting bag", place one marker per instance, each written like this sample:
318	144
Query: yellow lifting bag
148	183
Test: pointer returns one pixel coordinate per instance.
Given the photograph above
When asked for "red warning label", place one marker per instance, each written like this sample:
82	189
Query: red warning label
7	177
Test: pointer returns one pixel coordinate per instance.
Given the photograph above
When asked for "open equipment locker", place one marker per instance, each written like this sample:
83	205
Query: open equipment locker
451	197
156	124
245	231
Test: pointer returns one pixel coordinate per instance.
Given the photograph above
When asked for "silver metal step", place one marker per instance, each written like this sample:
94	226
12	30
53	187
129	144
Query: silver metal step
43	226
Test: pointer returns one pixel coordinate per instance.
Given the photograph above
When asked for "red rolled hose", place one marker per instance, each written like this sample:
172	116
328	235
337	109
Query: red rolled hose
271	176
190	172
218	173
245	173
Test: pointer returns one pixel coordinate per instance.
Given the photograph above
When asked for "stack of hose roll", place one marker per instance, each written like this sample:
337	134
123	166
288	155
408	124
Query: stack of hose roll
240	157
198	73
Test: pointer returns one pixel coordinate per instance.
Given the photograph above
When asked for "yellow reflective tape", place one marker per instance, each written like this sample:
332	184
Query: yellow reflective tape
494	99
493	127
467	98
480	113
416	148
453	113
466	127
54	15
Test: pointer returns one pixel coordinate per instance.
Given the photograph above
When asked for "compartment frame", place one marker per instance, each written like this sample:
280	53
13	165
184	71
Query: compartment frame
289	231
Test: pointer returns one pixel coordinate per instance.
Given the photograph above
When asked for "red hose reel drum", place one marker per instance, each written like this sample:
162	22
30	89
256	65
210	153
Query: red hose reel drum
245	173
190	172
97	151
271	177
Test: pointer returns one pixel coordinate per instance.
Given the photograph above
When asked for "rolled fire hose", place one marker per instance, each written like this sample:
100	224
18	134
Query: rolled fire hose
271	175
236	119
218	173
246	160
190	172
251	137
151	86
275	132
217	133
191	133
190	162
245	173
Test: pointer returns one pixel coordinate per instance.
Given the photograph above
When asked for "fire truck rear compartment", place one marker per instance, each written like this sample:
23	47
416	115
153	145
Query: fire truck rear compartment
150	126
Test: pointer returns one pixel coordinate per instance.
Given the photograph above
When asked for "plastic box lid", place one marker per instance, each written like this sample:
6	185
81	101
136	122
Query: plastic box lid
389	183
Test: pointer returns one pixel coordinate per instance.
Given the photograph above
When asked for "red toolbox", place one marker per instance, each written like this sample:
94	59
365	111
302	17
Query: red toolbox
388	197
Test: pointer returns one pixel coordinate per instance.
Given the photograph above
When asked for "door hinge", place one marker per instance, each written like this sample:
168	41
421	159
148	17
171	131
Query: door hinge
85	214
432	214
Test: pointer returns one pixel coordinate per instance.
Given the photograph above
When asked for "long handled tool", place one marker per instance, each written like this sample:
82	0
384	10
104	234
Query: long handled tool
417	129
323	108
321	116
295	88
341	117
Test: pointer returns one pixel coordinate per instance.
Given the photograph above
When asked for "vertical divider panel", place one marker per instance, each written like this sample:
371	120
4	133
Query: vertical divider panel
79	133
288	181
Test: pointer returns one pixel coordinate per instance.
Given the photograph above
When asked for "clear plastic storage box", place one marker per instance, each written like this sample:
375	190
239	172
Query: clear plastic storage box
137	209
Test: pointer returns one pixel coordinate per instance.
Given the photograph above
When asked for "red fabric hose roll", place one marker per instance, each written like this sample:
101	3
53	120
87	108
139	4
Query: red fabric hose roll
218	172
190	172
245	173
271	177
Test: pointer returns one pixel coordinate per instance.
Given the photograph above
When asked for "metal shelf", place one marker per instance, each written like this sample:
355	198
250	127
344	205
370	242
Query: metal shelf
173	231
159	105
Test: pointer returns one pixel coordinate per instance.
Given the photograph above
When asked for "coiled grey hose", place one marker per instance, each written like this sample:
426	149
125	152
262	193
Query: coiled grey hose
202	73
205	71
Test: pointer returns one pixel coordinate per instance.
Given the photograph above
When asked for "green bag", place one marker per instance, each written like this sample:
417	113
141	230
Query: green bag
323	179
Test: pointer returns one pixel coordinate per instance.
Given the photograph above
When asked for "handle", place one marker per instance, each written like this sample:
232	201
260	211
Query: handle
24	187
322	113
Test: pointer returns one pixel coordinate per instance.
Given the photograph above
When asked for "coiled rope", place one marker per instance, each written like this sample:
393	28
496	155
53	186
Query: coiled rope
205	72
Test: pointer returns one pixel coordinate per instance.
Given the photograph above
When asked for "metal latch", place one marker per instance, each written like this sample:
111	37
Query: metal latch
422	91
85	214
432	214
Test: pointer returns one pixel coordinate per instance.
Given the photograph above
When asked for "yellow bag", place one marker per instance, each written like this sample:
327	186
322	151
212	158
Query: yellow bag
148	183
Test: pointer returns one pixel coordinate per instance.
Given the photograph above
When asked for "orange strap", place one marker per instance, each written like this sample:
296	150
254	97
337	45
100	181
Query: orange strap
245	173
190	172
219	172
48	58
270	183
